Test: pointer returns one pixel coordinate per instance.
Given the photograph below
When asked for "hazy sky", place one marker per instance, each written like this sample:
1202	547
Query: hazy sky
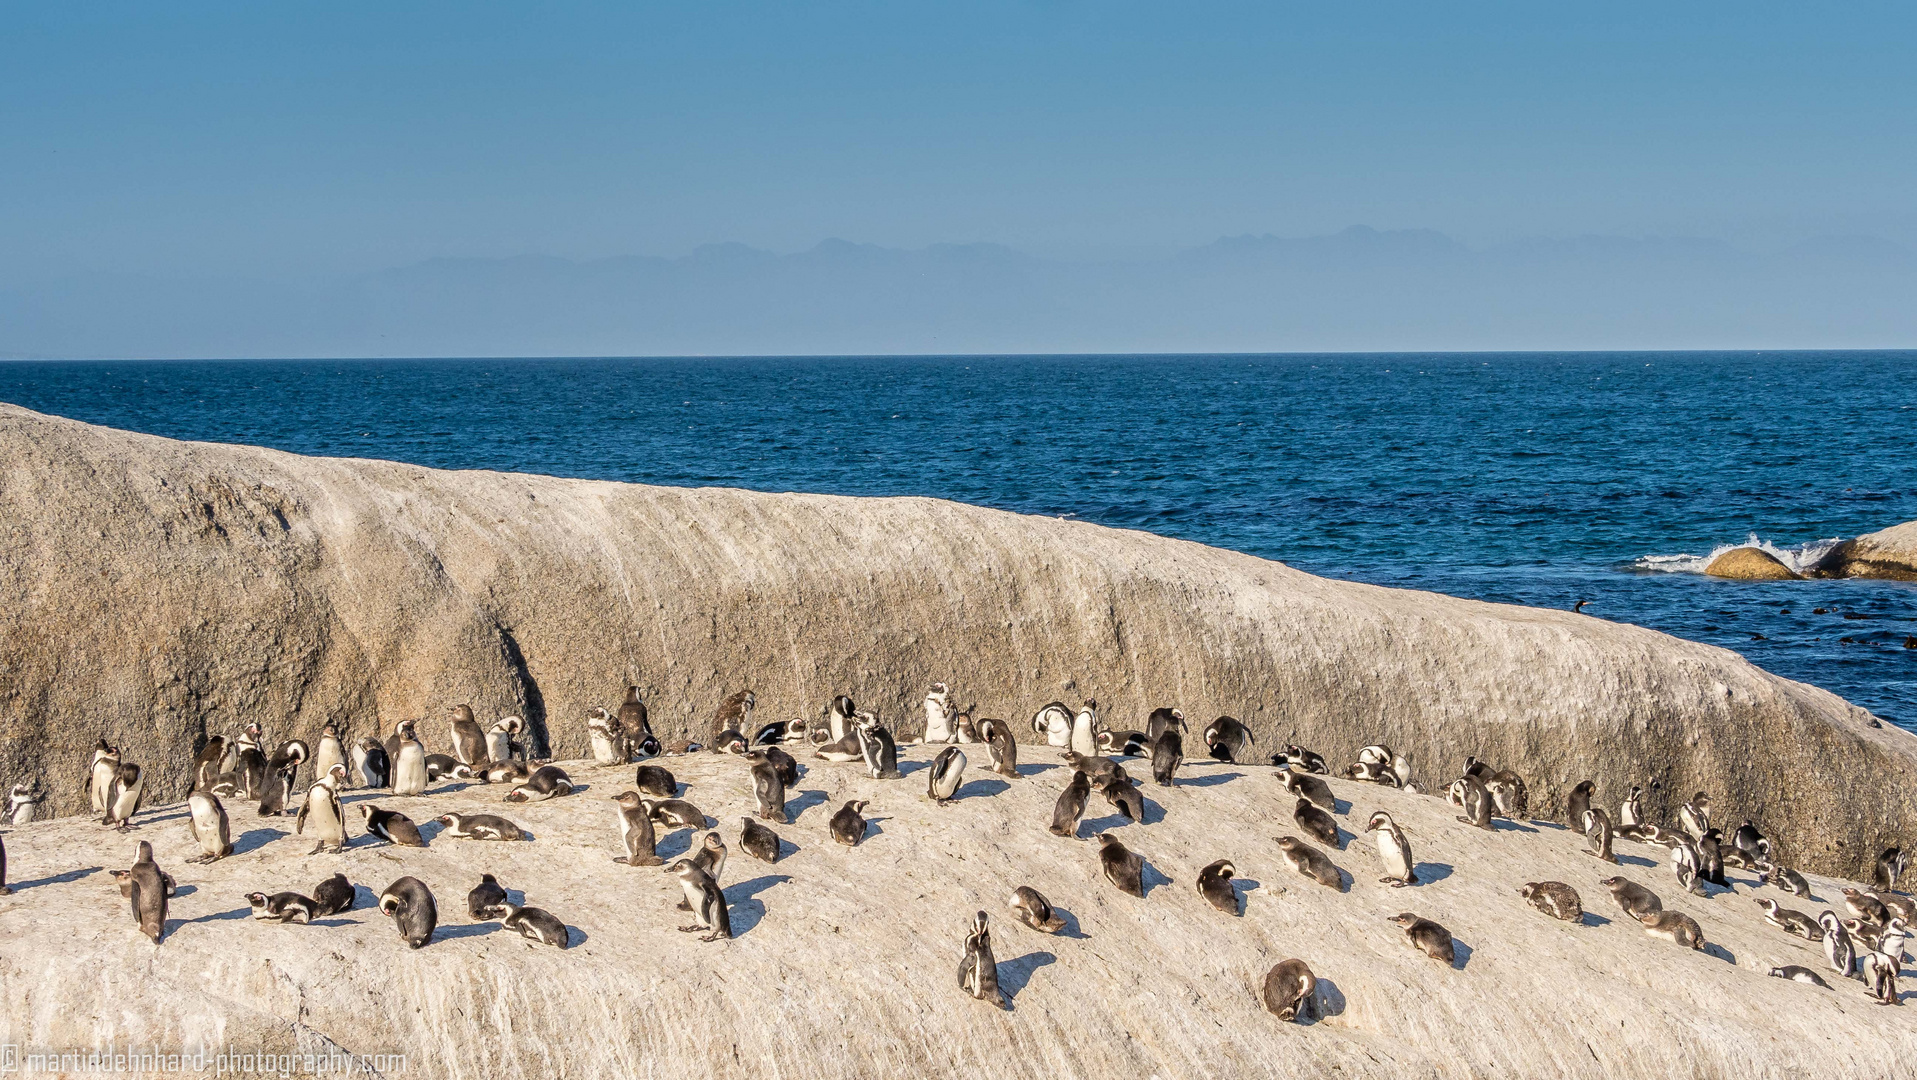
311	139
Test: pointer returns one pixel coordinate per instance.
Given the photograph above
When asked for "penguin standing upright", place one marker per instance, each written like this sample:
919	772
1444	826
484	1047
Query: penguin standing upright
1576	803
1084	738
282	772
249	763
636	833
331	750
939	714
1071	804
206	819
1226	738
23	803
1054	721
369	757
768	787
978	969
409	764
499	738
877	747
1630	812
947	771
206	765
997	737
322	809
634	723
123	798
706	902
147	886
607	740
1167	754
469	743
100	773
1394	850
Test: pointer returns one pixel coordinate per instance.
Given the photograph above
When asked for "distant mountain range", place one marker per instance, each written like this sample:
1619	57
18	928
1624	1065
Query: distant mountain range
1355	289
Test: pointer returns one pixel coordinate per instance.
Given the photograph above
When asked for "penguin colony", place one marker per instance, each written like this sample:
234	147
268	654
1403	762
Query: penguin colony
1867	943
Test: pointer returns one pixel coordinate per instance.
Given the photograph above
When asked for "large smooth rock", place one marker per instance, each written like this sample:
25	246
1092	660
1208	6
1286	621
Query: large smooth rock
157	592
1750	564
1887	553
846	960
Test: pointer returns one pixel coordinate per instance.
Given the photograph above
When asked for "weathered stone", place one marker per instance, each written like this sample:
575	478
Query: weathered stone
158	592
845	964
1888	553
1750	564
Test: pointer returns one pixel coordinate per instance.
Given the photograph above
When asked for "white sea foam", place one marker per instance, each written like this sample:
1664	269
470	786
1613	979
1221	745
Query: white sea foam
1799	558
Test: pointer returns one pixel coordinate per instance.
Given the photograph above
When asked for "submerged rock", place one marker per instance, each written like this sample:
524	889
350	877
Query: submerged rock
1750	564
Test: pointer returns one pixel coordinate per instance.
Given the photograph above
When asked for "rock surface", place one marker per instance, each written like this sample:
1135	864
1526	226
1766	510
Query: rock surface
1887	553
1750	564
159	592
846	959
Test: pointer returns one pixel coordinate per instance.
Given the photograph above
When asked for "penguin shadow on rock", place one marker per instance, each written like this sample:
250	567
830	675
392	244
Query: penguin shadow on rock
1036	767
1341	807
1429	872
1209	780
242	912
1712	948
455	931
1151	877
1592	918
1329	1001
672	845
63	878
806	801
1243	887
1499	824
1633	860
987	786
745	914
1461	954
253	839
1016	973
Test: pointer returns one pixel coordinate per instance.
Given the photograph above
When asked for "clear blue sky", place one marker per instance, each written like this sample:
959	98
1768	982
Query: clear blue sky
296	138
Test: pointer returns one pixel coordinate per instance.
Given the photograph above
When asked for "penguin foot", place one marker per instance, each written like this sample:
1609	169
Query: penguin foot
690	929
715	936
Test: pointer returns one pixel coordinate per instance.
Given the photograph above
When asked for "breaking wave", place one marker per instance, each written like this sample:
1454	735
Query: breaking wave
1799	558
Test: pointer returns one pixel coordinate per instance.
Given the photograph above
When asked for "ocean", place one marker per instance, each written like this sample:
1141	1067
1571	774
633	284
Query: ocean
1540	479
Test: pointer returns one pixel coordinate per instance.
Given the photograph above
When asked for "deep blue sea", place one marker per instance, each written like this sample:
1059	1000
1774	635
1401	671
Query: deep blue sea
1538	479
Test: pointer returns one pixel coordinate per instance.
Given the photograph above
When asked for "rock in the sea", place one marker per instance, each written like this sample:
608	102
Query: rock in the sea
155	591
1888	553
1750	564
